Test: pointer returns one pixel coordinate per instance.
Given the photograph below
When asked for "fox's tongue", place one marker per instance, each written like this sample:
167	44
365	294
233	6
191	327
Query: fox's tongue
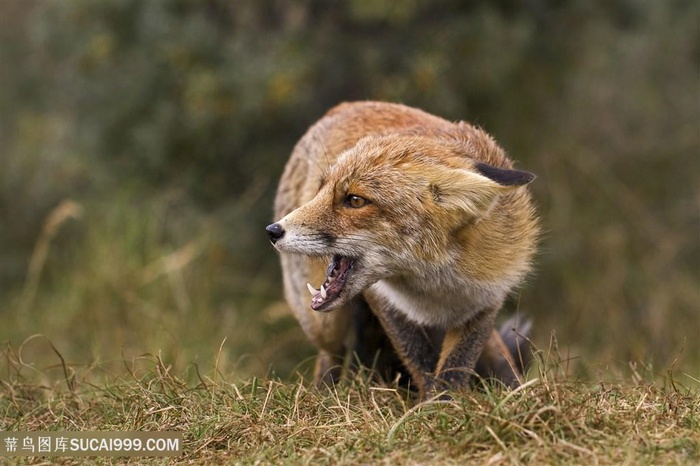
335	281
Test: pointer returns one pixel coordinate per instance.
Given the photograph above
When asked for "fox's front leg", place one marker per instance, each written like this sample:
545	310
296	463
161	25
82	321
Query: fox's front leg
328	368
412	343
461	349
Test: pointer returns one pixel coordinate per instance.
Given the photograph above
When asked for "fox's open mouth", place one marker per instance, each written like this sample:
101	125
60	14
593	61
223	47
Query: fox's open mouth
336	276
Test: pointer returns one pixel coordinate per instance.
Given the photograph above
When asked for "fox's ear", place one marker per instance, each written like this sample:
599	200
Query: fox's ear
475	192
504	176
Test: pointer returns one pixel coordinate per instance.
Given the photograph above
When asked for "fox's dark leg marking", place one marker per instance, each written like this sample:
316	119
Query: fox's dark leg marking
461	349
373	348
412	342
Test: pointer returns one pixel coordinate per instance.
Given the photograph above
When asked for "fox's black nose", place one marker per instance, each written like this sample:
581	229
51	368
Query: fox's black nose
275	232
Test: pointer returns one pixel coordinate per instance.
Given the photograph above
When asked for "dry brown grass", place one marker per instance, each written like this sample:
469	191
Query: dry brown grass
549	420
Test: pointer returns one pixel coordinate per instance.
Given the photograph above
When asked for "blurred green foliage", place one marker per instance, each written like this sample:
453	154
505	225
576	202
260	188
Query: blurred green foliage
168	124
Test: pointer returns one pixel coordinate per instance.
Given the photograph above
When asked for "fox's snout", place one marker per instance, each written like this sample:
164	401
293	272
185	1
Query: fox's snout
275	232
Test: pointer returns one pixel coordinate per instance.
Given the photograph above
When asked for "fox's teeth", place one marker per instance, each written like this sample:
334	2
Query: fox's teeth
311	289
323	292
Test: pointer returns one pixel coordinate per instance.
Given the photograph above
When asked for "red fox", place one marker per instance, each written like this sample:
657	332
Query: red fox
401	234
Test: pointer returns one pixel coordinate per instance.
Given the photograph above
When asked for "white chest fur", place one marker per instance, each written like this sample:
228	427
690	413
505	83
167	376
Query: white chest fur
443	308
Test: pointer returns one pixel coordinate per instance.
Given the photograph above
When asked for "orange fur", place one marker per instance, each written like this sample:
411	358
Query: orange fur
434	225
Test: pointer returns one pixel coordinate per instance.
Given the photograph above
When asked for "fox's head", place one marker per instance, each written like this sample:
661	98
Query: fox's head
392	206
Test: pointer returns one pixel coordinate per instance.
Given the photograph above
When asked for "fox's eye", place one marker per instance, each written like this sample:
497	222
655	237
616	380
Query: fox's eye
355	201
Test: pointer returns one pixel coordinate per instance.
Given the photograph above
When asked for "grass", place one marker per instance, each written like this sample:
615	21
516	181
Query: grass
551	419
